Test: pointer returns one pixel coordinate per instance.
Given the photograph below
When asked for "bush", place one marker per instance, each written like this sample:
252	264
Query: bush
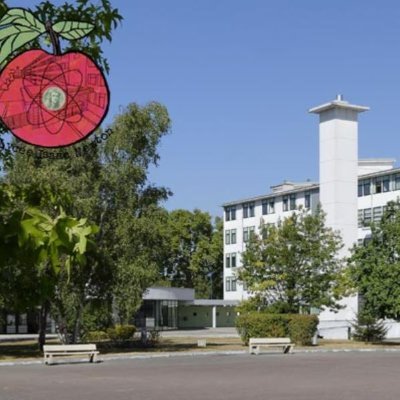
368	329
300	328
121	333
95	336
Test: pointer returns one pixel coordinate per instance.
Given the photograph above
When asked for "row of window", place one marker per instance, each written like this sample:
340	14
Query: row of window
268	206
368	215
380	184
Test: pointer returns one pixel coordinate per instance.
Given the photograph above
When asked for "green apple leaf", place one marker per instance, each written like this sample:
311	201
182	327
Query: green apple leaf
72	30
21	17
17	27
14	42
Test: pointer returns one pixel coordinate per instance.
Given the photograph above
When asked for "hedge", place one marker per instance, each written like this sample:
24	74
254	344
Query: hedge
120	333
300	328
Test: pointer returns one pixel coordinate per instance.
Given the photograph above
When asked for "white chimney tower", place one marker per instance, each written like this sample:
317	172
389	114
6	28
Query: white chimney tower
338	164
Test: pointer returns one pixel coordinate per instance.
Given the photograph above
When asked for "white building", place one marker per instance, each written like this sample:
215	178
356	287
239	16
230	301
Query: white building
352	192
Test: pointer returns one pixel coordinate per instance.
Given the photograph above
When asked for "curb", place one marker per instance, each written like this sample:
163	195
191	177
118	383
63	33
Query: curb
196	354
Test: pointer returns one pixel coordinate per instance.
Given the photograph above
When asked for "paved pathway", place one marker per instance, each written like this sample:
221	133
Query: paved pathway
345	376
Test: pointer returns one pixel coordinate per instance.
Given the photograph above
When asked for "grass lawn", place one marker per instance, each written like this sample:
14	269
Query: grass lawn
27	349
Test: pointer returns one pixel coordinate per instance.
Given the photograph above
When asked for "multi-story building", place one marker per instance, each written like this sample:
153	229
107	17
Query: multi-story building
352	192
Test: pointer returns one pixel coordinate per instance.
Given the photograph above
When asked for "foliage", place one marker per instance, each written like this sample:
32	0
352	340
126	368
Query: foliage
96	25
109	186
35	249
120	333
95	336
300	328
295	264
194	254
375	267
368	328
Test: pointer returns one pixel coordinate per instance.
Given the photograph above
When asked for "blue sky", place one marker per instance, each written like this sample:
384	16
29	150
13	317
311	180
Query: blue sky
238	78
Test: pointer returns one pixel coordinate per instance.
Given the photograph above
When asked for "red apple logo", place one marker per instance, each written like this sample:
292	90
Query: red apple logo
50	100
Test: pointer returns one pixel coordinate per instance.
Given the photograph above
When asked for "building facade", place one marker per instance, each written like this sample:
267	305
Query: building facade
352	192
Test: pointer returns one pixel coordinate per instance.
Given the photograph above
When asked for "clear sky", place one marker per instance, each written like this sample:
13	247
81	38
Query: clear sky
238	78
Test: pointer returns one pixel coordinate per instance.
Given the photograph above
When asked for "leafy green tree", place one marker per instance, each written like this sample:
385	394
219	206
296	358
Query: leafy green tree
375	267
107	184
194	252
35	249
368	328
294	265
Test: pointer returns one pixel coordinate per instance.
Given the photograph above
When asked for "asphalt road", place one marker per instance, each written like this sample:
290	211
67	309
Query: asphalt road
317	376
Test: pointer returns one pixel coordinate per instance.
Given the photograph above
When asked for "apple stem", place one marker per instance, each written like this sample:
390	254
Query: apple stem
55	41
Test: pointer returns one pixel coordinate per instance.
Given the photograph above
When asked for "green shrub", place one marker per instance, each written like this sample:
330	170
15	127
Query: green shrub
121	333
95	336
368	329
300	328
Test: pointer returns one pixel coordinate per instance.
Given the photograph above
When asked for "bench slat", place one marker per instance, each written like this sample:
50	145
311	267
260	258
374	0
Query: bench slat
270	341
69	347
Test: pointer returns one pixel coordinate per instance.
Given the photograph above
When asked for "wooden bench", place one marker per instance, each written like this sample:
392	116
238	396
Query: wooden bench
256	343
69	350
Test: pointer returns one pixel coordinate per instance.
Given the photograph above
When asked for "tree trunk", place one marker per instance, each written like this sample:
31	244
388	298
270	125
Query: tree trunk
44	309
77	325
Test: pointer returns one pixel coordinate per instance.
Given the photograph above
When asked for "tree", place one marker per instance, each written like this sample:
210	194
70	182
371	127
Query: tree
294	266
35	250
375	267
194	252
107	184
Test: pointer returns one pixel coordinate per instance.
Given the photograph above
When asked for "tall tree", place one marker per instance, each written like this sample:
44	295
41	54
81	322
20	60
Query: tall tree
108	184
375	267
295	264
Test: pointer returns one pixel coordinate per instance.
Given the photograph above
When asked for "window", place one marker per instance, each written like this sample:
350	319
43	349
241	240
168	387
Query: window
268	206
230	236
248	233
233	236
377	214
230	260
360	189
233	260
397	182
293	201
365	217
366	188
264	207
360	218
248	210
307	200
382	184
230	284
386	184
230	213
245	234
285	203
271	206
